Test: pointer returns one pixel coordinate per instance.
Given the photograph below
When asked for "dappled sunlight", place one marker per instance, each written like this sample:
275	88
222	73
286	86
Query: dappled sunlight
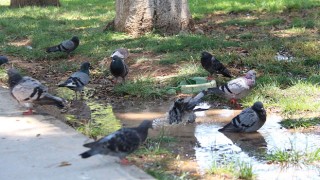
293	32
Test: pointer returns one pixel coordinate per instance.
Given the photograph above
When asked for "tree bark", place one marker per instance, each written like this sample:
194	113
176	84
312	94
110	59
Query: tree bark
22	3
137	17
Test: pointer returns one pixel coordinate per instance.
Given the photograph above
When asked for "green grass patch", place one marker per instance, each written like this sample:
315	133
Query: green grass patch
291	96
102	122
287	157
142	87
234	169
300	123
3	75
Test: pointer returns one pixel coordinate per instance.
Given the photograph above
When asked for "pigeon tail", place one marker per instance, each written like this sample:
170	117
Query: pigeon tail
53	49
68	83
229	128
90	145
215	91
196	100
225	72
89	153
52	100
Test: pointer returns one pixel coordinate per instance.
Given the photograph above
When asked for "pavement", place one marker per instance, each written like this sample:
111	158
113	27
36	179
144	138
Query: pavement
42	147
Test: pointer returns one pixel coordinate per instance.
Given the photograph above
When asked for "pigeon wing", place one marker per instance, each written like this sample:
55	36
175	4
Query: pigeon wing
29	89
246	119
67	45
125	140
83	77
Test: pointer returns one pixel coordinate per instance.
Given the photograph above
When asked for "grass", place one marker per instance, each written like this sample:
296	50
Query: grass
287	157
300	123
141	87
102	122
232	169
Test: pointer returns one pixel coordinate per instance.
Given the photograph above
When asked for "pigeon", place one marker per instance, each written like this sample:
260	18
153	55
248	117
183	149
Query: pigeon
182	110
213	65
121	52
249	120
120	143
66	46
3	60
78	80
28	90
236	88
118	68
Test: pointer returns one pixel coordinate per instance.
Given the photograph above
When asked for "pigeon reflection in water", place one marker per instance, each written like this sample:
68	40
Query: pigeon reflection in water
253	144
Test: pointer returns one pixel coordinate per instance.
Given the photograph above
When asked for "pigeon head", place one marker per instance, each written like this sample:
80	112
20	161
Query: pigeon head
85	67
3	59
75	39
251	74
258	106
259	109
14	77
146	124
206	55
116	58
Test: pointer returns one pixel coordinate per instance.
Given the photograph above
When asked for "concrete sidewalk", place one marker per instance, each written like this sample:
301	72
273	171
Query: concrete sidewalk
43	147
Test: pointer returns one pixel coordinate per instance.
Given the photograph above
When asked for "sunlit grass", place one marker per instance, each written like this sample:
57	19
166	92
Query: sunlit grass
293	157
200	7
300	123
295	97
232	169
141	87
102	122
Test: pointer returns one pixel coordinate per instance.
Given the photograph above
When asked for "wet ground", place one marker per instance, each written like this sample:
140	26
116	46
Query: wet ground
200	144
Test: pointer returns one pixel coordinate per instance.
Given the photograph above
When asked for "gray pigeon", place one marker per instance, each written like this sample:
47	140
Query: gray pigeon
183	109
28	90
118	68
3	60
121	52
213	65
79	79
236	88
120	143
249	120
66	46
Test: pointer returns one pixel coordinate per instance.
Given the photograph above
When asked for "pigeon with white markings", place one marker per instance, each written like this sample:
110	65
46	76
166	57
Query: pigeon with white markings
120	143
236	88
118	68
249	120
28	91
66	46
182	110
3	60
213	65
78	80
121	52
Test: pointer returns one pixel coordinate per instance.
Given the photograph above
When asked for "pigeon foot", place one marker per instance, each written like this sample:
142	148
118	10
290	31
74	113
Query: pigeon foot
125	162
29	112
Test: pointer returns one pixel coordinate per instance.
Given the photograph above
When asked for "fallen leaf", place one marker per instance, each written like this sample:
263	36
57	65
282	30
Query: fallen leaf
64	163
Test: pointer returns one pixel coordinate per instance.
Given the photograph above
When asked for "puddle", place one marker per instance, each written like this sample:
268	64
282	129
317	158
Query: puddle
200	143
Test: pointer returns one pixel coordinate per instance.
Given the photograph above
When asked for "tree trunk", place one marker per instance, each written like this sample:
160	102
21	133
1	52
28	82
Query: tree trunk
137	17
22	3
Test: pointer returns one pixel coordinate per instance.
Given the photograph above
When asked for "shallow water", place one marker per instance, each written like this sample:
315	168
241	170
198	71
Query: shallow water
201	143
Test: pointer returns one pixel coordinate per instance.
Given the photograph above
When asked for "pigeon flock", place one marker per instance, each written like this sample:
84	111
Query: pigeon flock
28	91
